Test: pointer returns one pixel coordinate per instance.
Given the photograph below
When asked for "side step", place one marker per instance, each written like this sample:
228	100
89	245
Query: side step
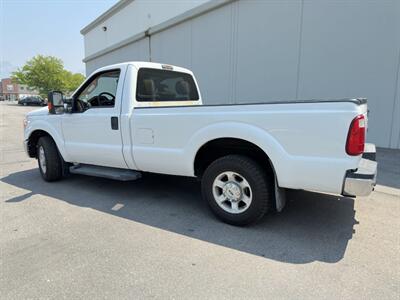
105	172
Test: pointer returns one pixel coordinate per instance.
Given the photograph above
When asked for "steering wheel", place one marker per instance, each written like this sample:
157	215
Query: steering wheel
105	94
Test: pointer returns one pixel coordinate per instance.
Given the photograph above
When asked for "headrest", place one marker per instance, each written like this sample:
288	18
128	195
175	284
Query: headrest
149	87
182	87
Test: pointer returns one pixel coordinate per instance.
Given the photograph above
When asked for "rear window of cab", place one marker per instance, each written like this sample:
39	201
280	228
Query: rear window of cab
165	85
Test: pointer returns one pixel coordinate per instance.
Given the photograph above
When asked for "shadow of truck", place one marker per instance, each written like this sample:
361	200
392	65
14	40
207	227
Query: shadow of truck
312	227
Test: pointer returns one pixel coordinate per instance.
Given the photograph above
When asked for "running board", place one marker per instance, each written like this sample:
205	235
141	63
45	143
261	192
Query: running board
105	172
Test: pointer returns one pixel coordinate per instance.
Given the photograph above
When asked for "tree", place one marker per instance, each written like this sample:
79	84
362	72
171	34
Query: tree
72	81
47	73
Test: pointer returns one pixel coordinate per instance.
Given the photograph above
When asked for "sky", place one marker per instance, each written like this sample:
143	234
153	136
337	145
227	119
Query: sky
48	27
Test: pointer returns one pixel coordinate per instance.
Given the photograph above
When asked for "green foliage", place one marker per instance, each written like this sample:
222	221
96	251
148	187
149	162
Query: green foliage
47	73
72	81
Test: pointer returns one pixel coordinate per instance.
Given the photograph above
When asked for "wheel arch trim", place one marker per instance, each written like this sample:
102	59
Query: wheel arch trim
43	126
241	131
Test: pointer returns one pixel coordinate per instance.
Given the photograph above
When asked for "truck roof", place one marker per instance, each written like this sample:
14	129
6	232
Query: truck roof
145	64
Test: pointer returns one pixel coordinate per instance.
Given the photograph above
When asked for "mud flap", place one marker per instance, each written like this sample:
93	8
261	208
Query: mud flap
280	197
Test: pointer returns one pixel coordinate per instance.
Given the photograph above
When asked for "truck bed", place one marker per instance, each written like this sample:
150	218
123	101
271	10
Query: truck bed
305	139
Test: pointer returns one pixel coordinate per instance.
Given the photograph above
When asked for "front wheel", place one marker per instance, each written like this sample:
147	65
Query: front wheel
49	159
238	190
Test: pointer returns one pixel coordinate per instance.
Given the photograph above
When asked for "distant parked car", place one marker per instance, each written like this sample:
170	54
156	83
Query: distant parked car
32	101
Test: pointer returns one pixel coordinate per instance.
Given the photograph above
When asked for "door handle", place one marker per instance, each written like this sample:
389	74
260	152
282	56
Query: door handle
114	123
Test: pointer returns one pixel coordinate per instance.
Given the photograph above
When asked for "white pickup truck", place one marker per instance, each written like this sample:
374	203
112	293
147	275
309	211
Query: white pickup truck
136	117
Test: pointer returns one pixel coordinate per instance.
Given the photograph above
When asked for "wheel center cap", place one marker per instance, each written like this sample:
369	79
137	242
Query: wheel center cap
232	191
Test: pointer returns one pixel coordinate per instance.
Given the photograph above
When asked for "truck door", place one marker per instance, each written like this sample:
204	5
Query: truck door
92	131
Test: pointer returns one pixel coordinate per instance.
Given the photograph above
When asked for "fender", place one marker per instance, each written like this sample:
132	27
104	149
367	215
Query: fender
239	130
53	129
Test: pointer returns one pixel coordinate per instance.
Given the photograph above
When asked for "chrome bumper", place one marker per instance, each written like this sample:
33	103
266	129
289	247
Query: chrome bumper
361	182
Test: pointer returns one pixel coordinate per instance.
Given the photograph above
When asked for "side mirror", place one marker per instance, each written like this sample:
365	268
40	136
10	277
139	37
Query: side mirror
68	105
55	102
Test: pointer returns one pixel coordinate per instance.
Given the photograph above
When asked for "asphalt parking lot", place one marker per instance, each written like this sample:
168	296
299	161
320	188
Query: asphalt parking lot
84	238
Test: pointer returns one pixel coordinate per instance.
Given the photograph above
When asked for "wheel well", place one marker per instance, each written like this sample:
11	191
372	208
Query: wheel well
33	140
215	149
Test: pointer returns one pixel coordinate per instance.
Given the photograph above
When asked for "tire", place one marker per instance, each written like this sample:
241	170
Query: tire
225	177
47	152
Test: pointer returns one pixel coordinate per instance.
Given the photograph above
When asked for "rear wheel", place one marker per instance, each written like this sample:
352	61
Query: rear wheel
49	159
238	190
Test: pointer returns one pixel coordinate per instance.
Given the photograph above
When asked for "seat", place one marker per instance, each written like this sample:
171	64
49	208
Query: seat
147	90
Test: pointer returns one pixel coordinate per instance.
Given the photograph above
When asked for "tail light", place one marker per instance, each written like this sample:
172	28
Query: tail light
356	137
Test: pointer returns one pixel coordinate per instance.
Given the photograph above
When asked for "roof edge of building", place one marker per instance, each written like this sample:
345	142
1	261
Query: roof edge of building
116	46
106	15
190	14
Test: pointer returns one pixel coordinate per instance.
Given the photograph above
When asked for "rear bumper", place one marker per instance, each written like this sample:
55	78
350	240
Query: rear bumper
361	182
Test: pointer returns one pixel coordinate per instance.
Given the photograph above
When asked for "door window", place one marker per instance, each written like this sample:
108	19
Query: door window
99	92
